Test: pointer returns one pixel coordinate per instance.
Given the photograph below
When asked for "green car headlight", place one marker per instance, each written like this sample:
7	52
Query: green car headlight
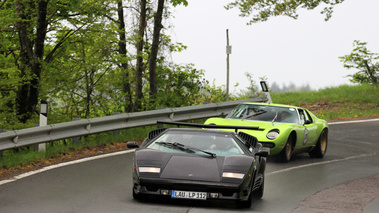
272	134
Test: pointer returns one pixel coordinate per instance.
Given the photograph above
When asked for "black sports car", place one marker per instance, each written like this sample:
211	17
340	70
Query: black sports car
200	164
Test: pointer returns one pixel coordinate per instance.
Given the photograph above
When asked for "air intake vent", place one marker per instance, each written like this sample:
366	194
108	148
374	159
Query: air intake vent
153	133
249	139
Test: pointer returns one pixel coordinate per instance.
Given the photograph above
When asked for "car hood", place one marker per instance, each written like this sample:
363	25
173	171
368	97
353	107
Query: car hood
191	166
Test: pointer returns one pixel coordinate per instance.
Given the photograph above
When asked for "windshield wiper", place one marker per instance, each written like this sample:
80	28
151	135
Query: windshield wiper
185	148
175	145
258	113
213	155
276	116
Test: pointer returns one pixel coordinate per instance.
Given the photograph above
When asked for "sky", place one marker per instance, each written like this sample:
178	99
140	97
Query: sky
286	51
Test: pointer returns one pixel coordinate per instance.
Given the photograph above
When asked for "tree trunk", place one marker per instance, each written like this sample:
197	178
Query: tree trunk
122	51
371	73
140	66
154	49
30	62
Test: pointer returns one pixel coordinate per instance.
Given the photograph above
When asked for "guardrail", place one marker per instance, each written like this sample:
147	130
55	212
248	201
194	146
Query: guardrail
36	135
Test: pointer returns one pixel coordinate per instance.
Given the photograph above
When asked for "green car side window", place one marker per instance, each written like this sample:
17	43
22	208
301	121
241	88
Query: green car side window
304	117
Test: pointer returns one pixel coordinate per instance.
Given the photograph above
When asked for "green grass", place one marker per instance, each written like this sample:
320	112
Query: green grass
336	102
330	103
341	94
26	156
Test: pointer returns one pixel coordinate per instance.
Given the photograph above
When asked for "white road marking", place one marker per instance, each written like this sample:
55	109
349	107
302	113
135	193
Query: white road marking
321	163
353	121
27	174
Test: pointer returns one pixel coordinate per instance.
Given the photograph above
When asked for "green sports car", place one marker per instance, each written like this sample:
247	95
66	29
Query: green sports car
285	130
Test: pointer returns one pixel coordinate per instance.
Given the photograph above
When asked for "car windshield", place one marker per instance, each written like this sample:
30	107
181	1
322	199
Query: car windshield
206	143
267	113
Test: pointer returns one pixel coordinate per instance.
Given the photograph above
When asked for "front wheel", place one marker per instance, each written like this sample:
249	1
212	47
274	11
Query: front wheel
321	146
138	196
258	194
246	203
286	154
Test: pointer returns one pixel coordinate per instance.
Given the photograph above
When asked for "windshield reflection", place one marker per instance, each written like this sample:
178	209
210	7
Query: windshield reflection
219	144
265	113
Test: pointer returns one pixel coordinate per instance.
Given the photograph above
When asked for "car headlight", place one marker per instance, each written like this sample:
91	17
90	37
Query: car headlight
272	134
232	175
149	169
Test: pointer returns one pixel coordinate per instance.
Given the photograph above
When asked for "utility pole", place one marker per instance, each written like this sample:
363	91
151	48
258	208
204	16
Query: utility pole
228	51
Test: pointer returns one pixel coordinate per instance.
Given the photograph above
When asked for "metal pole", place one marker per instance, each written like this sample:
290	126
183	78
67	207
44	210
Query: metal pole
266	92
228	51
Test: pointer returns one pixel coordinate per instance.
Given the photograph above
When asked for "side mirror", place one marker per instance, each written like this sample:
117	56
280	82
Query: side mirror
308	122
132	145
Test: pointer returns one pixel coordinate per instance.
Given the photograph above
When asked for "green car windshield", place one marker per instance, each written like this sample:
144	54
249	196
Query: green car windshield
266	113
197	143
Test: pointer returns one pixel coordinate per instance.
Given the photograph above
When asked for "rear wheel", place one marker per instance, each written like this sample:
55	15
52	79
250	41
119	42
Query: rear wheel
321	146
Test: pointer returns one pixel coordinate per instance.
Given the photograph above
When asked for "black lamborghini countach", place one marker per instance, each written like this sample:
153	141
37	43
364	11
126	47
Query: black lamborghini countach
199	164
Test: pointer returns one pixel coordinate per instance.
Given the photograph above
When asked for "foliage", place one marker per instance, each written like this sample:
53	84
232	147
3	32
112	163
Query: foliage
365	61
261	10
81	72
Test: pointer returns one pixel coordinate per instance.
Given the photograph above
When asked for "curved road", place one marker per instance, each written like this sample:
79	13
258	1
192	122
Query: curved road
346	180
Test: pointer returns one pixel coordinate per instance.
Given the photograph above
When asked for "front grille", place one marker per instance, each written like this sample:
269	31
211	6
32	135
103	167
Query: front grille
190	187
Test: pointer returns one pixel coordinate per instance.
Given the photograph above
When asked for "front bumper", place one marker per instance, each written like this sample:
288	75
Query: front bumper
225	191
275	147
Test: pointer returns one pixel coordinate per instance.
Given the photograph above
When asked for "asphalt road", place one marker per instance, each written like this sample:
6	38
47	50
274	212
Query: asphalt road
346	180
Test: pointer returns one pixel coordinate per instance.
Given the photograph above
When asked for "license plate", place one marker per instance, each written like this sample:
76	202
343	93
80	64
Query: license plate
189	195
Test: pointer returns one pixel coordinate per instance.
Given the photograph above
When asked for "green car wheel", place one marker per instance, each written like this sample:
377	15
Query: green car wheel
286	154
321	146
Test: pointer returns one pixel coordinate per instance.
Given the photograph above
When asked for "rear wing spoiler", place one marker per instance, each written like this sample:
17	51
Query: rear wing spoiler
250	139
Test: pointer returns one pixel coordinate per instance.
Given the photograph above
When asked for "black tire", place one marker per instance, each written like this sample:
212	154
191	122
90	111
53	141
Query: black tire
245	203
286	154
258	194
138	196
321	146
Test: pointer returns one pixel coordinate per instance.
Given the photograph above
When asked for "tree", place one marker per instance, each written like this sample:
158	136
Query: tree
261	10
139	46
154	49
155	45
365	61
123	55
31	54
28	29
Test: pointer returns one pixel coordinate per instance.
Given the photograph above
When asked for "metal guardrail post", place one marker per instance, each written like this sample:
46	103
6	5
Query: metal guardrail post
116	132
36	146
1	152
75	140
